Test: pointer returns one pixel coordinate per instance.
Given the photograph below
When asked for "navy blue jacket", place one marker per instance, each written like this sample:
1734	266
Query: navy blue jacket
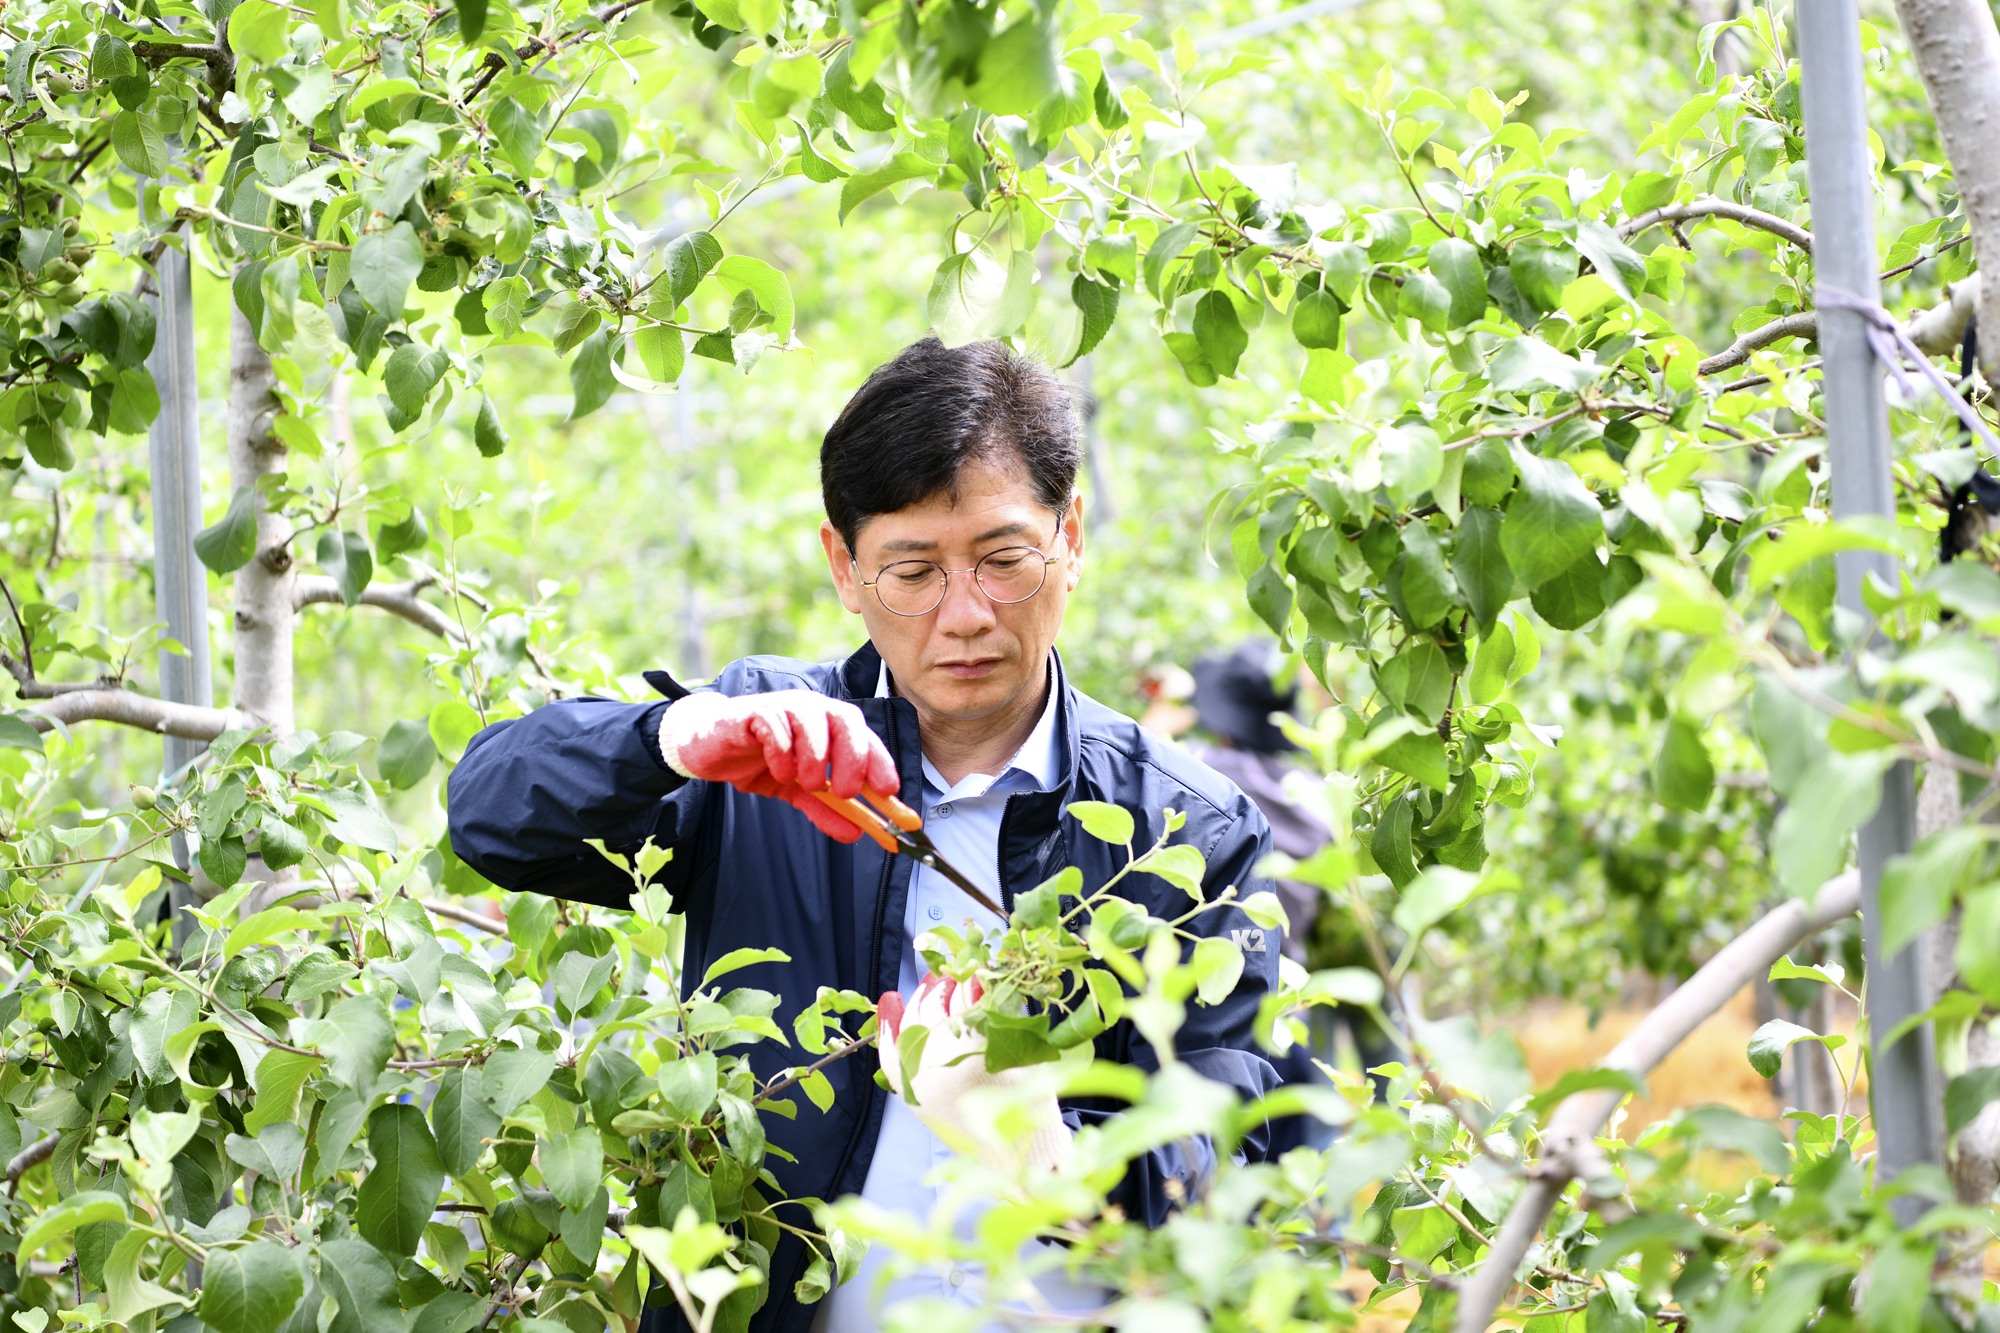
752	872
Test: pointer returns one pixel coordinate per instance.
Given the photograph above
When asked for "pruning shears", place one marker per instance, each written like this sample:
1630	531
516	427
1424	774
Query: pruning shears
895	827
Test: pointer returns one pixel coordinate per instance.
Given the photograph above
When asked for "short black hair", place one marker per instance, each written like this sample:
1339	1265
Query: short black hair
908	432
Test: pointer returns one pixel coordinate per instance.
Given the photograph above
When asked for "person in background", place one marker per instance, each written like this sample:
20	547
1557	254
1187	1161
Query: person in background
1234	700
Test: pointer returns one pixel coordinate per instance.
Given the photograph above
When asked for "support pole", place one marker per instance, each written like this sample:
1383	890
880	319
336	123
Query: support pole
180	583
1904	1085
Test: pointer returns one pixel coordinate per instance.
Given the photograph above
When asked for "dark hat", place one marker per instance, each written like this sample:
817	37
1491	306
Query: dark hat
1235	699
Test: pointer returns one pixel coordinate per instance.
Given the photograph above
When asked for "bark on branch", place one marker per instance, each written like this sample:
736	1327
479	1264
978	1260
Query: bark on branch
396	598
1936	331
1567	1146
1805	324
1957	50
1719	208
137	710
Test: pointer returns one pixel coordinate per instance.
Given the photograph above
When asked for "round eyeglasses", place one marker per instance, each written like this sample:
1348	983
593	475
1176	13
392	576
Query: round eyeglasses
1008	575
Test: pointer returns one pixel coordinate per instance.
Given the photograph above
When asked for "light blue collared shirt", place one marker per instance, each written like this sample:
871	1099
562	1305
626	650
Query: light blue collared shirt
963	821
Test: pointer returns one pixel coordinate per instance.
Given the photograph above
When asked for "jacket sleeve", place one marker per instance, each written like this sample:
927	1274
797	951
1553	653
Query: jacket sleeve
1216	1041
529	791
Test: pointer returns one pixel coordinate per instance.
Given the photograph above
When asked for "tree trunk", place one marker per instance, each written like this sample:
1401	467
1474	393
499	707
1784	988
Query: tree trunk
264	593
1957	50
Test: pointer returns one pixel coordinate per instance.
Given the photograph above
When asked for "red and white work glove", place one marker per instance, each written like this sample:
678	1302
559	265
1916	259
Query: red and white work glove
952	1068
787	744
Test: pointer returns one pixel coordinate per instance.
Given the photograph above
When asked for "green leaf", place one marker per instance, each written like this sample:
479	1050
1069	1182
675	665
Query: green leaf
741	273
358	820
259	30
1526	364
1490	665
230	543
131	1294
1419	679
471	20
740	958
662	351
515	1073
251	1289
1919	887
384	265
1426	300
357	1039
1617	263
140	145
1104	821
412	534
1683	774
487	432
453	725
689	1085
1584	1080
406	753
1180	865
1169	245
573	1165
590	376
413	370
1419	755
1096	308
866	184
1455	264
1316	320
67	1215
17	733
1270	597
1218	966
1770	1042
1219	333
346	558
1968	1094
363	1287
399	1194
1023	67
1809	842
521	134
1574	597
1426	585
1433	895
462	1119
1552	520
1479	565
224	858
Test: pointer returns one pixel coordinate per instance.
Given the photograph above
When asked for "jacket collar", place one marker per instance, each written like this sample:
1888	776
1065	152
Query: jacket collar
863	668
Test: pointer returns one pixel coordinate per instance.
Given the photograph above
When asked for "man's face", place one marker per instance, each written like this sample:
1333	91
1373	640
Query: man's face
971	657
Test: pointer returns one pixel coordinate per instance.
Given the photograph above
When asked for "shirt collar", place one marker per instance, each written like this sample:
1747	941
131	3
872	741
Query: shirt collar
1036	760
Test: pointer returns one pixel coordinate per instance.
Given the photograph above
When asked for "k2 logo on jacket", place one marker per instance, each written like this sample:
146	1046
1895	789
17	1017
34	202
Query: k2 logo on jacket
1249	941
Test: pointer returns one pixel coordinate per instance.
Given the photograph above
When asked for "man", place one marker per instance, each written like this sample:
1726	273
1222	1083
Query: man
954	531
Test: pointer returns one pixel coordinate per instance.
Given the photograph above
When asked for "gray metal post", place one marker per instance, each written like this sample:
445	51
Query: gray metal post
1904	1084
174	447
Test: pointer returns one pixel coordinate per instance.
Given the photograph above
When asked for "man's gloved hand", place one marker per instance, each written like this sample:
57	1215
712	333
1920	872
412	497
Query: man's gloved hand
786	744
943	1079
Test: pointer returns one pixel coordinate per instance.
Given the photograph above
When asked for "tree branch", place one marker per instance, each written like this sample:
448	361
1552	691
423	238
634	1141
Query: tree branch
1956	47
29	1158
1936	331
1805	324
398	599
1710	207
1567	1147
132	709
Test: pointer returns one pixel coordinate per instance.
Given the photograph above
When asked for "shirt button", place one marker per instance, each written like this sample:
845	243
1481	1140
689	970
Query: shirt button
957	1278
942	812
937	913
